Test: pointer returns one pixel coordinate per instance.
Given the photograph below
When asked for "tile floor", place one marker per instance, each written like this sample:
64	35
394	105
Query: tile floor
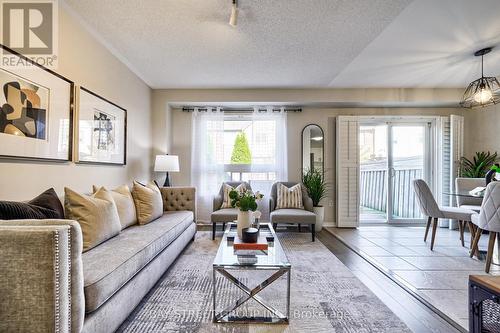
440	277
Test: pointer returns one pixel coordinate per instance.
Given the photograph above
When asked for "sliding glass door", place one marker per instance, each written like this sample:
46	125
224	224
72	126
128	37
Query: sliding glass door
392	154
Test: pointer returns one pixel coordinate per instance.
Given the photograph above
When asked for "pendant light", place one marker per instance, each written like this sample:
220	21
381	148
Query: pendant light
234	14
483	91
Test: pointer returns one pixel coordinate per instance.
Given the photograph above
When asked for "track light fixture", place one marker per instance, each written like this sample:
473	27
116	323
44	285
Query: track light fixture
234	14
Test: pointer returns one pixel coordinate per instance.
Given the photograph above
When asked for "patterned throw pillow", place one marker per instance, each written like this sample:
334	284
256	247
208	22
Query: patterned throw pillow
226	203
289	197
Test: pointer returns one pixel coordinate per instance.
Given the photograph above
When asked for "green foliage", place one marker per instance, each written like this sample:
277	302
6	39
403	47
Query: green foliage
241	150
478	166
316	186
245	200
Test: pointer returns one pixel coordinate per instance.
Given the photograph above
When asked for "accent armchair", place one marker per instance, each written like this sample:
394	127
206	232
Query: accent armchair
224	215
292	215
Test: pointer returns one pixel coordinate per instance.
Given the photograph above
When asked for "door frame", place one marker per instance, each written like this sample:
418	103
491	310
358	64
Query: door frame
430	156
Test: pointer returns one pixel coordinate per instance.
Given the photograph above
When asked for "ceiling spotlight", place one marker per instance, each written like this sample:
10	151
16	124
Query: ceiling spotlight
317	138
234	14
483	91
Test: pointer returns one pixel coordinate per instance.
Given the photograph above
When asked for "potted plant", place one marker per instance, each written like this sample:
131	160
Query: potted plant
246	202
478	166
317	188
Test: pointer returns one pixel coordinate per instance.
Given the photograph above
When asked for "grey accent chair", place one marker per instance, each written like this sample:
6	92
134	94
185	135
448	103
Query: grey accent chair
290	215
434	212
224	215
464	185
489	220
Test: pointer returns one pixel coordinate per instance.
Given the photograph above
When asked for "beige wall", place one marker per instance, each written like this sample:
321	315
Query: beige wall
85	61
482	130
178	135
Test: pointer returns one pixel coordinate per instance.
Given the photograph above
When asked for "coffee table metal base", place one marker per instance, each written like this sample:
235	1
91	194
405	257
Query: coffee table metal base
225	315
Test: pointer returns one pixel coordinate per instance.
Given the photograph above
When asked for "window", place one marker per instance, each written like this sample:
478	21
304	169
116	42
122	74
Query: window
248	152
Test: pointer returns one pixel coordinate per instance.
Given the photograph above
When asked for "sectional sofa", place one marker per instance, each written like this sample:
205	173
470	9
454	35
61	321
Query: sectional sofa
47	284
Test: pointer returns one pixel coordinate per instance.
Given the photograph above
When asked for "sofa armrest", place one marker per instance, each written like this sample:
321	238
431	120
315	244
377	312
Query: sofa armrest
217	202
179	198
41	280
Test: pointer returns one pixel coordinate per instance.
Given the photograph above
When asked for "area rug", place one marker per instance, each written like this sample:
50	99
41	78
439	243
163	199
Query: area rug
325	295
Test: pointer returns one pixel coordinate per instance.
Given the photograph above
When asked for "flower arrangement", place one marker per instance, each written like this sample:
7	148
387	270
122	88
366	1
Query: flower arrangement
245	200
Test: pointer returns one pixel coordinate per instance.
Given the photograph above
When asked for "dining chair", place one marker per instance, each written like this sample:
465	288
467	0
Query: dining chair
434	212
464	185
488	219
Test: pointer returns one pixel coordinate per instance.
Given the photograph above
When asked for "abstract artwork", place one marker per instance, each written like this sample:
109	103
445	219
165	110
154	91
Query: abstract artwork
104	134
102	131
35	112
23	107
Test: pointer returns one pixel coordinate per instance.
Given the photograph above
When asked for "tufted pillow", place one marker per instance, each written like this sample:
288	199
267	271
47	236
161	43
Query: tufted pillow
148	202
289	197
125	205
96	214
226	203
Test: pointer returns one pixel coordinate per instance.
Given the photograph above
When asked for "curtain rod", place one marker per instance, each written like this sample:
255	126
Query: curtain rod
238	110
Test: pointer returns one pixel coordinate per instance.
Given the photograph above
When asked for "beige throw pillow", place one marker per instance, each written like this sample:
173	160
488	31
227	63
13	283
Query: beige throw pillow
125	205
289	197
226	202
148	202
96	214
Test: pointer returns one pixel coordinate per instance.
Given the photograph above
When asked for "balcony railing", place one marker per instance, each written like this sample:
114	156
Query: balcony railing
373	195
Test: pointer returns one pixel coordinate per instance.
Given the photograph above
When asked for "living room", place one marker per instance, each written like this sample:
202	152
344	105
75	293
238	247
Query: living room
242	166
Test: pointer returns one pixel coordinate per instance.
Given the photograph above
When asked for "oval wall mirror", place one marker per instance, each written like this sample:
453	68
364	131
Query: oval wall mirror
313	148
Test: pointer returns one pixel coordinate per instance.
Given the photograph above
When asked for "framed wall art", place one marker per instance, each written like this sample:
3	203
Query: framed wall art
102	130
36	118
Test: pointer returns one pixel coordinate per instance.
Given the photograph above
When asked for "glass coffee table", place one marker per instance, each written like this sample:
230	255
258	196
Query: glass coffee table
274	259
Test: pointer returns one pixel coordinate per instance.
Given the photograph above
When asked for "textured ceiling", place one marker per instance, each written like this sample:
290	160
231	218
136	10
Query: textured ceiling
298	43
277	43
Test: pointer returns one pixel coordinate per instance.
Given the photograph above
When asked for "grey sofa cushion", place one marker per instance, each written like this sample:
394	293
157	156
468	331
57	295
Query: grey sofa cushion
224	215
110	265
288	215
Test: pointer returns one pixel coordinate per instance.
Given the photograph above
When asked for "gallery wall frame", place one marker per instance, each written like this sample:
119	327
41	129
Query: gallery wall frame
36	112
100	130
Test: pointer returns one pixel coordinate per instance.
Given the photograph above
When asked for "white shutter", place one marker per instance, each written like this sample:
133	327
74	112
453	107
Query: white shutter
456	147
442	176
347	172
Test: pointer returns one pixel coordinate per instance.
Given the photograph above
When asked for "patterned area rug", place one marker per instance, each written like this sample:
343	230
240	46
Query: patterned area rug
325	295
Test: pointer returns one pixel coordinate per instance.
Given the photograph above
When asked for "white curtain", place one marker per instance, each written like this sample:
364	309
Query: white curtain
207	159
278	166
267	136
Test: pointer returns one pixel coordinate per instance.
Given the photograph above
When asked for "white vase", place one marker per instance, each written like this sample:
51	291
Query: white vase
244	221
320	217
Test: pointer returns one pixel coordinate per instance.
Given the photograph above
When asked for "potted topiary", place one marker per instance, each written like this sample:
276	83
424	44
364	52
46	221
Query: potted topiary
246	202
317	188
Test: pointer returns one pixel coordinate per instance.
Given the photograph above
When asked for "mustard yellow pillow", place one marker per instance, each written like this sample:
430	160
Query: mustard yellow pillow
124	203
96	214
148	202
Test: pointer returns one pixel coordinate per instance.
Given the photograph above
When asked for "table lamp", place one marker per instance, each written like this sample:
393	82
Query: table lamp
166	163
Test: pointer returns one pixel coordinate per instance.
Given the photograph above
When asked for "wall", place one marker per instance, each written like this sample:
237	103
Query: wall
178	135
482	130
85	61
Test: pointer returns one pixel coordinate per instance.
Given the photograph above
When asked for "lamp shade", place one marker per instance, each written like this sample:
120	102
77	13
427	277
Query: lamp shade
167	163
